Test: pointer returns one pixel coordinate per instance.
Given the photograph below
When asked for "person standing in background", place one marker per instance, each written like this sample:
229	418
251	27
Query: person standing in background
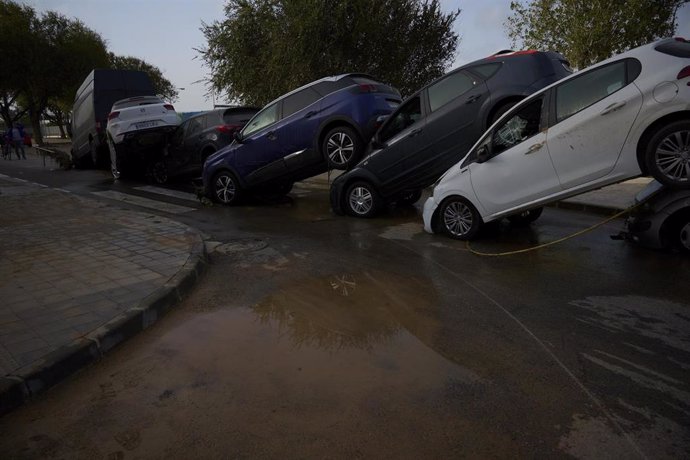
18	140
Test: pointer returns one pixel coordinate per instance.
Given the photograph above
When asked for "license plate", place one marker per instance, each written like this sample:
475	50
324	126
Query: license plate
145	124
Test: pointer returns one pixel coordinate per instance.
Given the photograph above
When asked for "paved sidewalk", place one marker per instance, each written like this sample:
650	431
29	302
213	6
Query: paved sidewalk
77	277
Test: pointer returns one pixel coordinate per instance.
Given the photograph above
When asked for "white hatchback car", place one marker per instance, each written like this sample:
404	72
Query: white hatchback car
138	114
624	117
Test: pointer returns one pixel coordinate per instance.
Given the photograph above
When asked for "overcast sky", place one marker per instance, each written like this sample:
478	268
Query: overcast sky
165	33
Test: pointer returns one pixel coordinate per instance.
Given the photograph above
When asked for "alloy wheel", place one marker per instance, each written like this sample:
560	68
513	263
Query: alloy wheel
361	200
458	218
340	148
673	156
225	188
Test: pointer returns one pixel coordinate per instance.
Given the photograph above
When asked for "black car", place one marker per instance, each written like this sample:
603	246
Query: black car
198	137
435	127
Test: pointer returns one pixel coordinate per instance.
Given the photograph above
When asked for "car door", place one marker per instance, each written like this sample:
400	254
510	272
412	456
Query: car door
301	112
453	124
176	146
592	116
404	137
260	157
519	169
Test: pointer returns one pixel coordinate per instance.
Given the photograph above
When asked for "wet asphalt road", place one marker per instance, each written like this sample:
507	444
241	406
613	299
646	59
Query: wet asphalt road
313	335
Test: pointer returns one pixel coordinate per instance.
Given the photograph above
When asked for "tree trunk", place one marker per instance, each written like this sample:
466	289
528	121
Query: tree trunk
63	135
35	117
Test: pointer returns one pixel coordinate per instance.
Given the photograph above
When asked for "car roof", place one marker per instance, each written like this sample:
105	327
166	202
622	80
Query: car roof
329	78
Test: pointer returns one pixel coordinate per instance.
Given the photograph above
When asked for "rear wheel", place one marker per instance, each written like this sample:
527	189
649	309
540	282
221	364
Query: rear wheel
501	110
362	200
159	172
342	147
459	219
668	155
225	188
526	217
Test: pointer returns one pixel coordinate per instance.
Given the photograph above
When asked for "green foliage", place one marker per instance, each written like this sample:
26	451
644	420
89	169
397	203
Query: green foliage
162	85
589	31
264	48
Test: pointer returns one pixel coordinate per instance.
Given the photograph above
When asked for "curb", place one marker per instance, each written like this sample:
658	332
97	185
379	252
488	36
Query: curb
31	380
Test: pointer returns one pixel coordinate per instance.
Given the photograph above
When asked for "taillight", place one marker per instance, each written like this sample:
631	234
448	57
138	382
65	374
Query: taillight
681	39
684	73
227	129
169	107
114	114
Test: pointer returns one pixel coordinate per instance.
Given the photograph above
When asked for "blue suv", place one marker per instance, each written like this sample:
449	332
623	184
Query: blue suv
323	125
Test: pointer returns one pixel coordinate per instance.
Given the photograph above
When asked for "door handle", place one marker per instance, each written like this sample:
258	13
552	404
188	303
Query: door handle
414	132
271	136
472	99
613	107
534	148
310	114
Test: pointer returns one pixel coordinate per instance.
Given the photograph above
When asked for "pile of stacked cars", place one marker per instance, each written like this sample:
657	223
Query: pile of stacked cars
624	117
323	125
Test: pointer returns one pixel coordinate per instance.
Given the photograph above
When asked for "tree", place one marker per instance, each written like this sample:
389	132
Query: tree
161	85
48	57
589	31
264	48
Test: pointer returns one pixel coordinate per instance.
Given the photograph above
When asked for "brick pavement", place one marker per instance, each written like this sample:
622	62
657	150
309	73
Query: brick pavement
70	265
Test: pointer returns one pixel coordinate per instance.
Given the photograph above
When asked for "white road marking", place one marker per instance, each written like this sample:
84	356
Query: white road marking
144	202
168	192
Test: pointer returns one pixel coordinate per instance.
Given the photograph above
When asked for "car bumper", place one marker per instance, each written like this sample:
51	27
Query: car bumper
336	195
430	206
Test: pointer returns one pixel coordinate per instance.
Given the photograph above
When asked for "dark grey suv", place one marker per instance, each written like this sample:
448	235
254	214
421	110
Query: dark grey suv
435	127
196	138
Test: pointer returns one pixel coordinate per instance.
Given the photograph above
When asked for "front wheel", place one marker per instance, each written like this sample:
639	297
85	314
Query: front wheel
668	155
459	219
342	147
362	200
526	217
676	232
225	188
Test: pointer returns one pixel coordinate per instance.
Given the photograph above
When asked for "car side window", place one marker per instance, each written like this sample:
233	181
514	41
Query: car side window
486	70
194	127
519	127
266	117
298	101
584	90
449	88
407	115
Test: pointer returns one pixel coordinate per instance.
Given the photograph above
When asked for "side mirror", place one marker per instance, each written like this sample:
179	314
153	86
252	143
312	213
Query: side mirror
238	136
483	154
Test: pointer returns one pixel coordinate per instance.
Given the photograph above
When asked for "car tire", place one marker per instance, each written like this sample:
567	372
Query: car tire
676	232
409	198
526	217
362	200
342	148
225	188
668	155
459	219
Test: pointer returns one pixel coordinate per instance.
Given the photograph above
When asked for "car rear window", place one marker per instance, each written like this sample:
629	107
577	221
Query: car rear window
486	70
137	101
678	47
238	117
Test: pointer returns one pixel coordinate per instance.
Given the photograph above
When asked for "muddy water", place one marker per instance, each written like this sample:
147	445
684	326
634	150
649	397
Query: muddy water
284	362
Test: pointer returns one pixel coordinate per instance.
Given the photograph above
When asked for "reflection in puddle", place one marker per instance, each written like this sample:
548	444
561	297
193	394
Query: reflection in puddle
346	310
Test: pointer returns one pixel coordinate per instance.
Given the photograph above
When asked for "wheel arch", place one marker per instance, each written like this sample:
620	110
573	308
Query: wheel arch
434	216
331	123
649	132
